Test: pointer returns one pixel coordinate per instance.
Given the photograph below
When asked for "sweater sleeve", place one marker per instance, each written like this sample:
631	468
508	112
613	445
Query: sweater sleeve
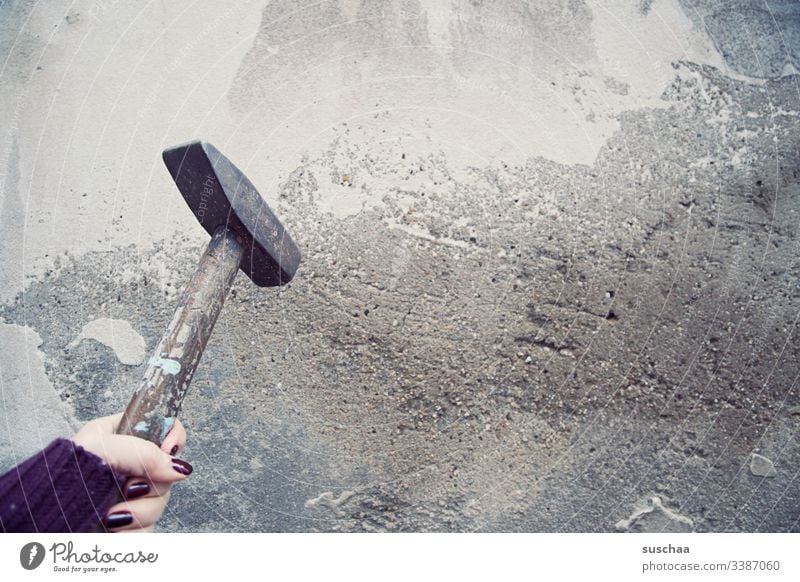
63	488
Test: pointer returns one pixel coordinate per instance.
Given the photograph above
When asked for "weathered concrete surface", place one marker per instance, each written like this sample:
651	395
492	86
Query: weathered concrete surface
32	412
550	278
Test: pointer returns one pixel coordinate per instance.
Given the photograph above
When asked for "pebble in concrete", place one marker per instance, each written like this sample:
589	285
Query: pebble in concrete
761	466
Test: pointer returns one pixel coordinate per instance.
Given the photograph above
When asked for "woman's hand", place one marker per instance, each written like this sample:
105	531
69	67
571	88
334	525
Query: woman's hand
151	471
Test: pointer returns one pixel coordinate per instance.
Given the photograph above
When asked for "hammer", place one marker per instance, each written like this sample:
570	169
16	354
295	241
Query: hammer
244	235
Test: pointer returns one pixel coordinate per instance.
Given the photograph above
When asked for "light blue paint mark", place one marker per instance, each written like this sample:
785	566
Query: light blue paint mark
167	365
166	426
140	426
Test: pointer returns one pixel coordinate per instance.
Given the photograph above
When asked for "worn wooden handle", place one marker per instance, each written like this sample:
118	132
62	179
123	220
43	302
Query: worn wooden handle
156	403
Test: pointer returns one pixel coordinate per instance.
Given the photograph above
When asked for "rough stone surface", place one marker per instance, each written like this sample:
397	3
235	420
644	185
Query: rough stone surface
549	277
758	39
762	466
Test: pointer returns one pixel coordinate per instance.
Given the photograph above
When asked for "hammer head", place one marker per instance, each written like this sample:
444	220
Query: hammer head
219	194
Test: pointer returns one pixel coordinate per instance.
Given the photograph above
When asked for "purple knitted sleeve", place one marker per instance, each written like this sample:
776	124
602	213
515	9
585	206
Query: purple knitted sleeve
63	488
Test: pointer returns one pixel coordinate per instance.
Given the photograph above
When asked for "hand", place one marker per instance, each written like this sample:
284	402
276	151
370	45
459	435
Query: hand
151	471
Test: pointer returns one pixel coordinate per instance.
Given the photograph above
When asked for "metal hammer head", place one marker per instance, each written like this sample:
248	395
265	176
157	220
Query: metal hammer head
219	194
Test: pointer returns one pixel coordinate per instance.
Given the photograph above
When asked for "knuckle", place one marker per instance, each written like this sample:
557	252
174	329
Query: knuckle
152	459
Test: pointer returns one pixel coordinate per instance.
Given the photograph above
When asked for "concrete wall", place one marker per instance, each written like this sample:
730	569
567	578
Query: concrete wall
550	277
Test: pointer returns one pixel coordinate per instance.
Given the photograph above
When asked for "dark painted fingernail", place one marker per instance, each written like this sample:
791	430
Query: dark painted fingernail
137	490
182	467
173	450
118	519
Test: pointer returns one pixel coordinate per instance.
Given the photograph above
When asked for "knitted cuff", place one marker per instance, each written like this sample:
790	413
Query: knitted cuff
63	488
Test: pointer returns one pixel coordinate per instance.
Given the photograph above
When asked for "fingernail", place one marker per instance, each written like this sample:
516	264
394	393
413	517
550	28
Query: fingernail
182	467
173	450
118	519
137	490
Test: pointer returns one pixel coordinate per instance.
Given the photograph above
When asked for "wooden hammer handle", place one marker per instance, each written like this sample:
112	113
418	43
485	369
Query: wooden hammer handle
156	403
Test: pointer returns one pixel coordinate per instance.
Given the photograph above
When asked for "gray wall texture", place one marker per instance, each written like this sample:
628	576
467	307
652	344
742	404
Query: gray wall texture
550	277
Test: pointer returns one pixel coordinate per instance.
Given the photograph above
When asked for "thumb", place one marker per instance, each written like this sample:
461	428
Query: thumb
135	457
